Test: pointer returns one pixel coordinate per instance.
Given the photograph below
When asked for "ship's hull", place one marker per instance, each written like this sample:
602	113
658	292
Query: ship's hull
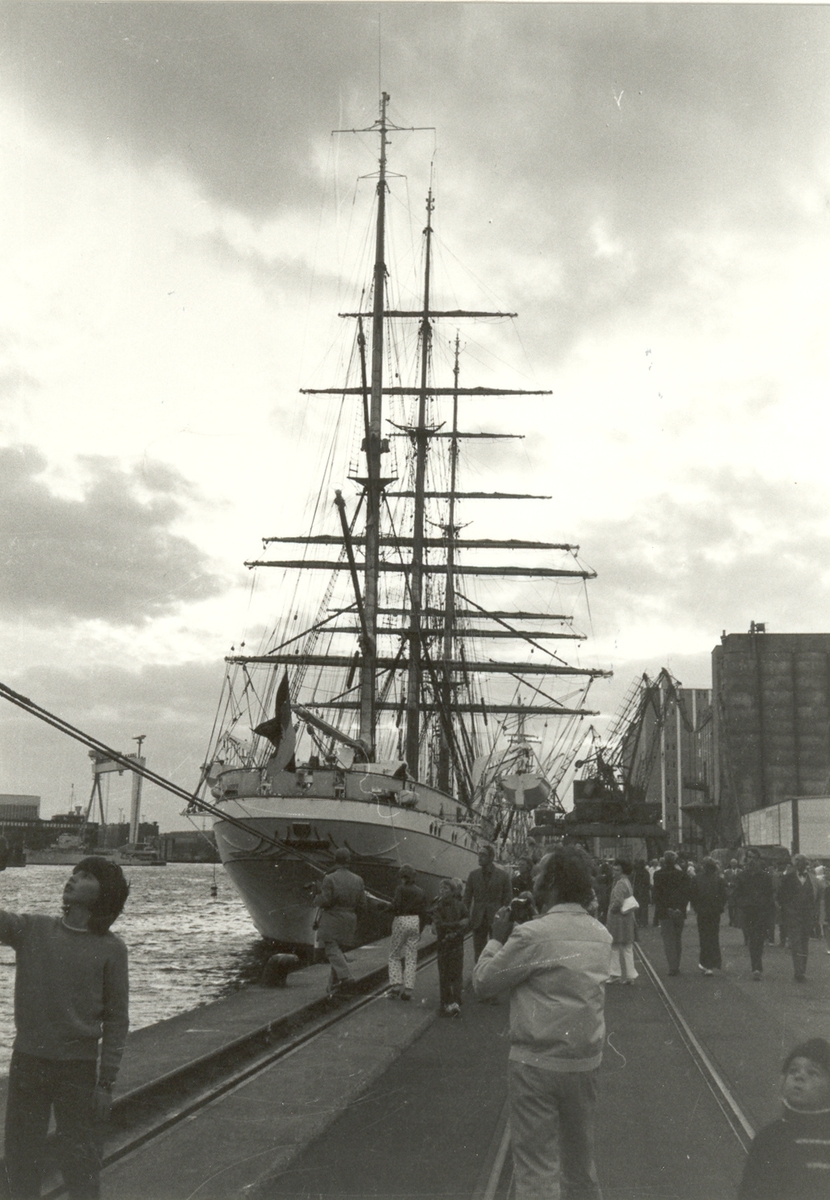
277	884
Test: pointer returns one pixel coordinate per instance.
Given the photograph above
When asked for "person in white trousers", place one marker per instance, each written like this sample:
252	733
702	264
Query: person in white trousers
622	920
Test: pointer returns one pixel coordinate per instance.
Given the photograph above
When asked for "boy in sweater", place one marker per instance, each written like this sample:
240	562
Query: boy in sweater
71	993
790	1159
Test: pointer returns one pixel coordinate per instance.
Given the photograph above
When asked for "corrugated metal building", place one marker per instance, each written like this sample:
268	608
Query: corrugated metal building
19	808
771	720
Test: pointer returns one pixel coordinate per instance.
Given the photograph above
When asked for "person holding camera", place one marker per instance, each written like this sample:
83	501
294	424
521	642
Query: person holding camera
554	967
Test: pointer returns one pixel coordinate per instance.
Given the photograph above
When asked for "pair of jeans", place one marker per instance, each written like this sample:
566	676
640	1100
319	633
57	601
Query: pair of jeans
36	1086
798	936
552	1118
755	922
671	931
450	970
708	932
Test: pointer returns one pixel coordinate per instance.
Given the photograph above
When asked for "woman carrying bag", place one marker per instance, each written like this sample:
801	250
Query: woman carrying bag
622	917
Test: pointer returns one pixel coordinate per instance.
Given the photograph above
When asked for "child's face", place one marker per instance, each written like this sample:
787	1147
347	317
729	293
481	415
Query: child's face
446	888
806	1085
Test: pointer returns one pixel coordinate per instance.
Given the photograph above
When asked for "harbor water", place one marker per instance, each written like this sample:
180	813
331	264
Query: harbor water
186	946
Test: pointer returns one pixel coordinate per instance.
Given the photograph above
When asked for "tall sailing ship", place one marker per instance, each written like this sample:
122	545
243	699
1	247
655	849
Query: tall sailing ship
397	720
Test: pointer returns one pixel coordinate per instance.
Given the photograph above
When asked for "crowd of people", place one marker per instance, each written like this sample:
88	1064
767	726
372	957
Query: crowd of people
551	934
554	931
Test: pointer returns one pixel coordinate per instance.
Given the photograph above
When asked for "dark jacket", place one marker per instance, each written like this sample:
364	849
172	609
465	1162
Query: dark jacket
708	895
797	899
409	900
754	888
789	1159
670	891
488	889
450	919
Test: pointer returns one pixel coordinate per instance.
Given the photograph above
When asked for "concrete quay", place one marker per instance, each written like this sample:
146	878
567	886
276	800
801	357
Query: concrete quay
390	1102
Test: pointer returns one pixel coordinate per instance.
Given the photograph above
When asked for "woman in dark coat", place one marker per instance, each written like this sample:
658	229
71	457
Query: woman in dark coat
709	894
641	882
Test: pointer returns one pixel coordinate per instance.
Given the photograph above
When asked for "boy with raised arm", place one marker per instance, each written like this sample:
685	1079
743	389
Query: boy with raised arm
71	1019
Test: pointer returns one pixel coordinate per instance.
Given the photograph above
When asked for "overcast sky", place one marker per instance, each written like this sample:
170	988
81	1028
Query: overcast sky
647	186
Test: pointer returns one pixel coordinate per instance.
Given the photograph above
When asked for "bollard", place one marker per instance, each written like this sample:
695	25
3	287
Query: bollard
277	968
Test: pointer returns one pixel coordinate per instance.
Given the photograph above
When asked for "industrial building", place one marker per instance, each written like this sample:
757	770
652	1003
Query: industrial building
771	719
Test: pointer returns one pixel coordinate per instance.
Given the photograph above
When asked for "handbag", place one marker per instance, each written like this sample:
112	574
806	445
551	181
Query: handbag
629	904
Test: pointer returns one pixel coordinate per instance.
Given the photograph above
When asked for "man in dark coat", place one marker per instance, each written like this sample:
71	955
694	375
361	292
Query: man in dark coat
488	889
670	892
797	897
756	901
340	899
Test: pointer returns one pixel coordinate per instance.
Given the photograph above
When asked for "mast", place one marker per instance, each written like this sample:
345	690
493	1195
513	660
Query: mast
413	682
374	484
451	534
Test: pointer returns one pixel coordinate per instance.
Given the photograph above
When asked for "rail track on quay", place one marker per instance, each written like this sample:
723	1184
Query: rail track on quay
496	1180
147	1113
222	1089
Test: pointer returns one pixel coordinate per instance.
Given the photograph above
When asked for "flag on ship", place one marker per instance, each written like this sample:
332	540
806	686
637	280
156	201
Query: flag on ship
279	730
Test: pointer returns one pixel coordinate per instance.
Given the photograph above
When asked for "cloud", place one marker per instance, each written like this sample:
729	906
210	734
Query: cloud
173	706
109	555
720	550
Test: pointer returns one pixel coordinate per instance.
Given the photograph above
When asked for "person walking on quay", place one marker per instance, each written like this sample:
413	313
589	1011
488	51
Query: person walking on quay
709	900
341	897
408	907
488	889
71	1019
797	895
730	878
621	921
790	1158
671	897
641	882
554	967
450	920
755	901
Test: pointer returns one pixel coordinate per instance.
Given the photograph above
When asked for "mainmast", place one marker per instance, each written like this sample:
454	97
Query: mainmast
416	578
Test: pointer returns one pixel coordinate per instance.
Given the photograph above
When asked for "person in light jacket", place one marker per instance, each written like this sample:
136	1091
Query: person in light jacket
621	924
554	967
341	897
